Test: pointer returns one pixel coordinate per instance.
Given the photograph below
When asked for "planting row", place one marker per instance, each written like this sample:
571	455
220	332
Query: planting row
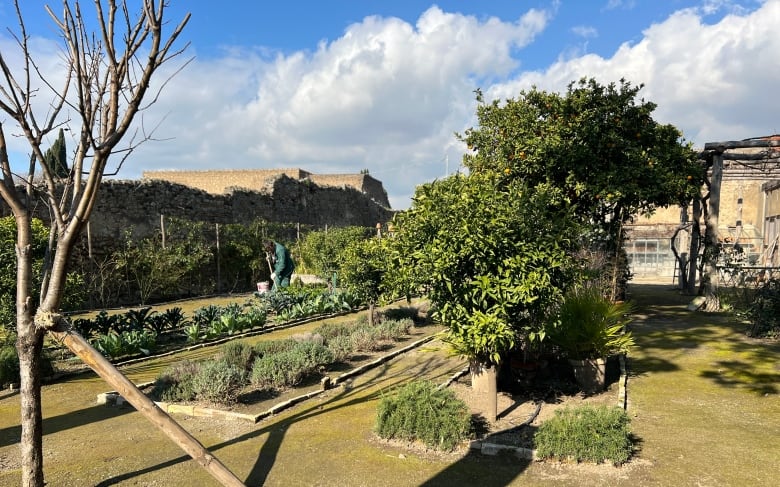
143	330
277	364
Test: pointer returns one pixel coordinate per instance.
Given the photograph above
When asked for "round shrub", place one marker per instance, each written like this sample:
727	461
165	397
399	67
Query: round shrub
420	411
270	347
340	346
219	382
174	384
394	329
278	370
366	339
331	330
238	354
586	433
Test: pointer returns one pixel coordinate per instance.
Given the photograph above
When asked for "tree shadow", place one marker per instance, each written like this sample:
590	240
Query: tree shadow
367	391
62	422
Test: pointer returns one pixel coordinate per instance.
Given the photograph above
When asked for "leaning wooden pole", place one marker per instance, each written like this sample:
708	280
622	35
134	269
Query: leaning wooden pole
61	329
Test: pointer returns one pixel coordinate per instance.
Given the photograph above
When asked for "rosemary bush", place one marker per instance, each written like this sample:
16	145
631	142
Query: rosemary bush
419	411
586	433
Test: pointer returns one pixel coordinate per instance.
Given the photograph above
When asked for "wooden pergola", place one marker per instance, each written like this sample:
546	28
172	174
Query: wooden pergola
725	157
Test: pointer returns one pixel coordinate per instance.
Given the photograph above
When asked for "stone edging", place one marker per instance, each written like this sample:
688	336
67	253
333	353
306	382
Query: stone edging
487	448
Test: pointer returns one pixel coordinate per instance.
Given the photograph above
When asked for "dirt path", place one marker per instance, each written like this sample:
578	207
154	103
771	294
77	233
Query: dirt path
703	400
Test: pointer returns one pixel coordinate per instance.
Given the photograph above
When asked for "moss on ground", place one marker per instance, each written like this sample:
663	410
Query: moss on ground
703	400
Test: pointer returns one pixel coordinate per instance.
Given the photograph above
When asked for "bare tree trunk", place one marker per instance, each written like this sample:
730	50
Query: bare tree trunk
693	264
29	344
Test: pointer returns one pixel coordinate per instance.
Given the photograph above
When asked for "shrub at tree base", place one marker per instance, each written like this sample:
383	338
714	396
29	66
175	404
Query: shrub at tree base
419	411
586	433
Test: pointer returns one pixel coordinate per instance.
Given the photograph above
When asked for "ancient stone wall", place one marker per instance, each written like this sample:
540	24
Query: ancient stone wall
221	181
137	205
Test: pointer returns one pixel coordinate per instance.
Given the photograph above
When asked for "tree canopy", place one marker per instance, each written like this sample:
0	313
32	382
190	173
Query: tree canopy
598	143
492	254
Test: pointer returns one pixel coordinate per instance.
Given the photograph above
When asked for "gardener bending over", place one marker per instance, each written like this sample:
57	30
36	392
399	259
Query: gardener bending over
281	263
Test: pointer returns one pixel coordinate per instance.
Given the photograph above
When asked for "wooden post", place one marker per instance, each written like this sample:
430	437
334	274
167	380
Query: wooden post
105	369
89	239
162	229
219	277
711	236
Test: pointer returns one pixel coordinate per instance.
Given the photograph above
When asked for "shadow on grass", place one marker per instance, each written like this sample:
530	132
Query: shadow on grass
366	392
73	419
663	323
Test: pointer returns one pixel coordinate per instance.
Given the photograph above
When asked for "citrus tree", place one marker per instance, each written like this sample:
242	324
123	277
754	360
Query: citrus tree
598	144
322	251
363	265
492	253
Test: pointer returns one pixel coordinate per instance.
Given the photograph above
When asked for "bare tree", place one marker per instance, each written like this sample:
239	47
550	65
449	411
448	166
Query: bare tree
105	82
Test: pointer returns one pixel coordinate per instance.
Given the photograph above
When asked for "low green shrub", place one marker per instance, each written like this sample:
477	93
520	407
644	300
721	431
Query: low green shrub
238	354
420	411
218	381
340	346
278	370
366	339
586	433
287	368
330	330
394	329
269	347
175	384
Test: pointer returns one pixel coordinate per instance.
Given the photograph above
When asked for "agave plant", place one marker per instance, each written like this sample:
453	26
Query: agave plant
587	325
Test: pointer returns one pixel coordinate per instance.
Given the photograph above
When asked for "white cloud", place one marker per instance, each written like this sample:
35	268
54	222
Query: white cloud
585	31
386	96
715	82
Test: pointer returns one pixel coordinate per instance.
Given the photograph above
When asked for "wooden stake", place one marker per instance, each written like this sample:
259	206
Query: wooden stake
105	369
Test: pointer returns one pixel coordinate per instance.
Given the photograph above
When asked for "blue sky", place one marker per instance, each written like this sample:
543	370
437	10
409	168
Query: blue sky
341	86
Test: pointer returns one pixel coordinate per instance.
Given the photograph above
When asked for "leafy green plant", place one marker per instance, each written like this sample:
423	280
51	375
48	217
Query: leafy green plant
139	318
420	411
205	315
111	344
174	317
192	332
587	325
763	312
104	323
586	433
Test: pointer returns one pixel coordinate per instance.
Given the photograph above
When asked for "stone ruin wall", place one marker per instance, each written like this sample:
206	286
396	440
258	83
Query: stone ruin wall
136	205
221	181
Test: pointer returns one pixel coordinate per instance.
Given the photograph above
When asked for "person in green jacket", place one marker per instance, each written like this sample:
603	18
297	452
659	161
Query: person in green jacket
281	262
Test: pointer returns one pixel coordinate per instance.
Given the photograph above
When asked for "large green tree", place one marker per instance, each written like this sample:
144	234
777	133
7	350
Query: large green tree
598	143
